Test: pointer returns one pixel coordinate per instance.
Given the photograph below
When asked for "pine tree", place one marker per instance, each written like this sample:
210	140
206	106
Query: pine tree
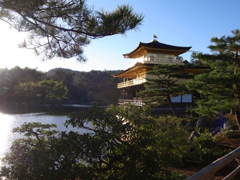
220	86
167	81
60	28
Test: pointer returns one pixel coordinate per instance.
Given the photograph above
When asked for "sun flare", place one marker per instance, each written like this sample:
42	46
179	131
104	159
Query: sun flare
10	53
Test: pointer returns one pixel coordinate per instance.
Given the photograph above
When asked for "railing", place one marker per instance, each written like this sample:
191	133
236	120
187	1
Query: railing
214	167
136	102
155	60
131	82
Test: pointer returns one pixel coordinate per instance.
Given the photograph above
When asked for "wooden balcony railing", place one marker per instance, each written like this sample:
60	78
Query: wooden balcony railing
214	167
156	60
135	101
131	82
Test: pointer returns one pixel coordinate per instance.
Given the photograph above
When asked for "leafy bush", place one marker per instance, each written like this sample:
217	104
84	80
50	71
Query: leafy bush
227	133
121	143
233	125
174	139
189	122
204	140
203	150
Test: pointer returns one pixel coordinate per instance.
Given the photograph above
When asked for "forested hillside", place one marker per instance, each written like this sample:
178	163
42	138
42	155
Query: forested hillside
27	85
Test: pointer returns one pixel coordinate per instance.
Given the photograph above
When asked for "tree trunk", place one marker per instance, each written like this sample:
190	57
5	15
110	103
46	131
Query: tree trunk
237	117
232	111
172	106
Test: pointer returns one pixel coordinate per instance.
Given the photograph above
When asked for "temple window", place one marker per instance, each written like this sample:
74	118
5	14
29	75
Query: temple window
151	58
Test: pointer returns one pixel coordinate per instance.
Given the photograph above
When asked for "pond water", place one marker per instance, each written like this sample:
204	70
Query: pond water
10	119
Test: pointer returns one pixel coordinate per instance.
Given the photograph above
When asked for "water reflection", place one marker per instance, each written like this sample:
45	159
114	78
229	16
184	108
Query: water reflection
5	133
10	121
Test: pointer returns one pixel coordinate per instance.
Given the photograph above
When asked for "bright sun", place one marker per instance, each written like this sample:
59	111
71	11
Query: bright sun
7	44
10	54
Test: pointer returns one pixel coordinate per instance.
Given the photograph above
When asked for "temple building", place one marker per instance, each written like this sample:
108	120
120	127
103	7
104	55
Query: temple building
144	57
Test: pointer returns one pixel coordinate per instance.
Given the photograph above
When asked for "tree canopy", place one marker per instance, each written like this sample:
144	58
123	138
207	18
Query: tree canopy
166	82
61	28
220	86
118	143
29	85
25	85
42	90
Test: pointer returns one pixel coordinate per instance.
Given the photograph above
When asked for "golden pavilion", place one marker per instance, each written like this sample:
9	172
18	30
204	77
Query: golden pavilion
144	57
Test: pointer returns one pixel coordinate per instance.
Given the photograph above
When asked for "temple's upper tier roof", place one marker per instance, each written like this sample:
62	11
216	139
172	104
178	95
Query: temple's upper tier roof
157	47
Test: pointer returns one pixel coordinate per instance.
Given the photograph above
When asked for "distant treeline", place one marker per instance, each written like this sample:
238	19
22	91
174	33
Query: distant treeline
27	85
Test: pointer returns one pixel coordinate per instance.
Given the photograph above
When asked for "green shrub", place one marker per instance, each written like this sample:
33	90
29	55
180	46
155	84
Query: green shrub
204	140
233	125
123	143
228	133
173	139
189	122
204	150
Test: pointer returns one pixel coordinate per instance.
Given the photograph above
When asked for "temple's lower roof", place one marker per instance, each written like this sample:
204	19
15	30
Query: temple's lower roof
129	73
138	65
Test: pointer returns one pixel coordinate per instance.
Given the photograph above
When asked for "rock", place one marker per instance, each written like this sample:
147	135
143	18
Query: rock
201	122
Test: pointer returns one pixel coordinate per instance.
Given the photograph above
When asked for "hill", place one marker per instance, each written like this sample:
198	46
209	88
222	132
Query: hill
98	87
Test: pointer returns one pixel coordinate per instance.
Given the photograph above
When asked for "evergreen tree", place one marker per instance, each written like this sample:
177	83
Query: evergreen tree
117	143
50	90
220	86
29	85
167	81
60	28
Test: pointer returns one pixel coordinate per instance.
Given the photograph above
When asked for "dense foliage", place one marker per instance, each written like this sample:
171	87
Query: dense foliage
27	85
43	90
61	28
88	87
204	149
220	86
118	143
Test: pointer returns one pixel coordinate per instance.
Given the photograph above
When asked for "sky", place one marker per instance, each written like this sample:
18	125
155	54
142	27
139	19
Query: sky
174	22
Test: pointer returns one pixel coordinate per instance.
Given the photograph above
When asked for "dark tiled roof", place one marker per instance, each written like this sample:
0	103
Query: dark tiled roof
157	45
